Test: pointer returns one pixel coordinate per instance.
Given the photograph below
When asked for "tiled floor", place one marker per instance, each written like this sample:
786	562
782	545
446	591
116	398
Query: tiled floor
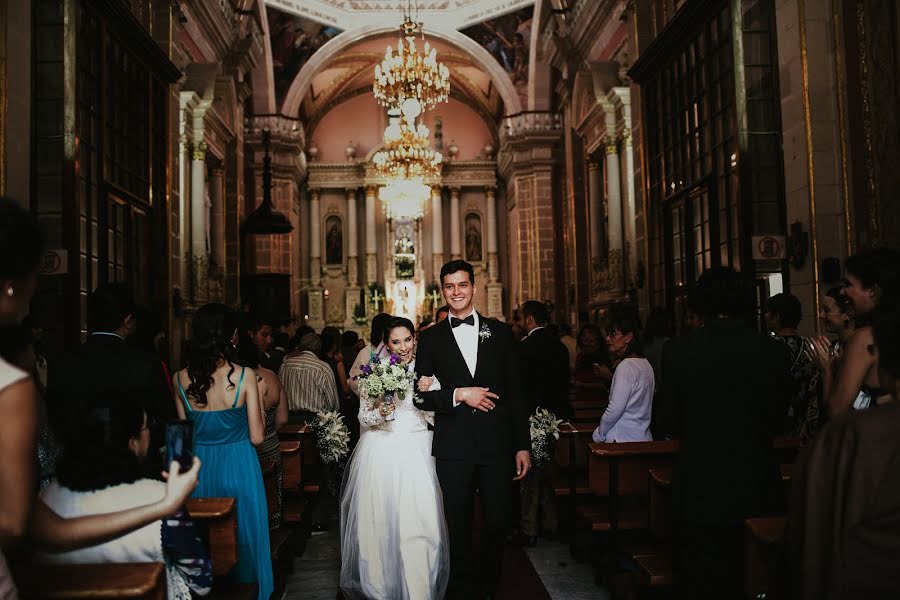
564	578
317	572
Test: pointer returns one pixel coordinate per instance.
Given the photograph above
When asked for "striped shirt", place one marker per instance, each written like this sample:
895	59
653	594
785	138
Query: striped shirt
309	383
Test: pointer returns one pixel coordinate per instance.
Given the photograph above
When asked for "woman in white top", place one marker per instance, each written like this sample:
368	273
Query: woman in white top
627	417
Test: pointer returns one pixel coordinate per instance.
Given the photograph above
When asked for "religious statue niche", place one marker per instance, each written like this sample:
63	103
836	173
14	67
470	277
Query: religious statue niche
404	252
334	241
473	238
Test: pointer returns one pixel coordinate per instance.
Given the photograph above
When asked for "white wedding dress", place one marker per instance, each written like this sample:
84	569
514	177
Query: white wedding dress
394	543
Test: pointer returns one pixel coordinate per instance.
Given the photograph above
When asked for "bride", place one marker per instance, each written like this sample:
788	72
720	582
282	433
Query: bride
393	533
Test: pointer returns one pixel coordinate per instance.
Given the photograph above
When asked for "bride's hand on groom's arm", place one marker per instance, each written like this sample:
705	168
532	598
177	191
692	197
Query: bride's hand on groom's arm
476	397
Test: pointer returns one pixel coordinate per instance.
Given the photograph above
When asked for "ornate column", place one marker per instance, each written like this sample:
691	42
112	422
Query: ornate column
199	212
630	208
371	247
596	226
494	288
316	296
217	235
351	294
184	182
437	232
614	215
455	234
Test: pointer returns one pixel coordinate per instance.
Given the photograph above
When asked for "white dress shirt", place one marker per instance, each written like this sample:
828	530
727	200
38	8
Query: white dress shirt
467	339
627	417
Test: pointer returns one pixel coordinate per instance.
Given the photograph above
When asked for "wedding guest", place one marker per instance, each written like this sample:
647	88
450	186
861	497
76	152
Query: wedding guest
331	353
348	345
569	341
441	314
872	283
105	362
260	334
104	473
782	314
275	408
222	399
295	340
150	337
693	316
545	370
593	367
627	416
844	525
724	389
374	349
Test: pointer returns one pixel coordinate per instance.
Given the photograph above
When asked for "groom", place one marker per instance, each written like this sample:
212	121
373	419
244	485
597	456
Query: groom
481	432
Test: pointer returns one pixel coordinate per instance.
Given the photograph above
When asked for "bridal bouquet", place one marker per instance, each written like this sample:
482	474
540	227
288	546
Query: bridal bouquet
386	377
332	436
543	425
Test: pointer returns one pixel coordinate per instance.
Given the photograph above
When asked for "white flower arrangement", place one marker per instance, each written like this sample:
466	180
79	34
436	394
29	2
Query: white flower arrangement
332	436
485	332
387	377
543	425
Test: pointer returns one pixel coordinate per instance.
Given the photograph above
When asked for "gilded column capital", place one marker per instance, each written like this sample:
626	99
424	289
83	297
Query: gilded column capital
454	192
199	152
611	144
594	165
490	191
351	193
314	194
370	191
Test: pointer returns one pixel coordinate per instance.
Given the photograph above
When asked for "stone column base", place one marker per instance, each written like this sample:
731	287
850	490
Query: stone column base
316	308
495	301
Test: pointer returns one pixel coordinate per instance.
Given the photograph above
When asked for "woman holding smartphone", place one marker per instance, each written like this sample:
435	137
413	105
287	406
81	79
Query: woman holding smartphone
222	400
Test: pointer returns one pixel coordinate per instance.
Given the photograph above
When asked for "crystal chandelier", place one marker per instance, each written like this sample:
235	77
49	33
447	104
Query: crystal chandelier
410	80
403	198
406	153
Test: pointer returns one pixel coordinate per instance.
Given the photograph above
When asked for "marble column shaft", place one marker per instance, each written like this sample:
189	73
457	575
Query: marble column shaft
491	201
614	216
371	247
437	231
455	233
352	249
199	257
596	225
315	241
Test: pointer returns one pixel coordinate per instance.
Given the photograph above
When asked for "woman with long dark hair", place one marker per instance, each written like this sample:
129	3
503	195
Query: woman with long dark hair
222	399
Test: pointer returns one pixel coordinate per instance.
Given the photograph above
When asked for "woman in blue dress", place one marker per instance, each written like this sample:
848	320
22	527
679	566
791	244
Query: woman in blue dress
221	398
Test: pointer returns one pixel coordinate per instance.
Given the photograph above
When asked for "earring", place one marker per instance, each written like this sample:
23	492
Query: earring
10	291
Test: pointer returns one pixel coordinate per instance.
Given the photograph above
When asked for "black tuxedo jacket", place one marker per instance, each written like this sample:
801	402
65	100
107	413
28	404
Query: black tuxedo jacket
725	387
545	367
461	432
102	364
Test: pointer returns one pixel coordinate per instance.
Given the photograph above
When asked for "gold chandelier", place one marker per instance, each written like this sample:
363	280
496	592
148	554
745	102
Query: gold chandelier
410	80
406	154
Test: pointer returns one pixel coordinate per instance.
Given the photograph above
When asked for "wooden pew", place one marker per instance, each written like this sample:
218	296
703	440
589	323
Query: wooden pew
763	554
654	563
145	581
293	502
218	516
269	483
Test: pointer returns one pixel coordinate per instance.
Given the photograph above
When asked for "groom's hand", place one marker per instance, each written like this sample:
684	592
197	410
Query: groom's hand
477	397
523	463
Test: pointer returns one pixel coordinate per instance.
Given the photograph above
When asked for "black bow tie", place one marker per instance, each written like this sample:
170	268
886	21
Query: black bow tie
470	320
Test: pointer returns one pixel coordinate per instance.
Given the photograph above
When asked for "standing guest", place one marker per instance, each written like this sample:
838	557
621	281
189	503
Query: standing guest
693	316
104	473
295	341
569	341
260	333
844	533
872	282
348	346
150	337
627	416
782	314
441	314
309	384
222	399
374	349
275	409
107	362
280	342
593	368
331	353
545	369
724	389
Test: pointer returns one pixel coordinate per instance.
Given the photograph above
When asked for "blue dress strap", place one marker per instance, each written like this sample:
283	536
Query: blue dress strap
187	405
237	394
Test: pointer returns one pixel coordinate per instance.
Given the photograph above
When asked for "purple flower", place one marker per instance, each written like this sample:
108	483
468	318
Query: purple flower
366	369
395	360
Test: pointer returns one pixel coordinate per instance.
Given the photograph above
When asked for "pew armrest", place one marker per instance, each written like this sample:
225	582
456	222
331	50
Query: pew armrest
219	516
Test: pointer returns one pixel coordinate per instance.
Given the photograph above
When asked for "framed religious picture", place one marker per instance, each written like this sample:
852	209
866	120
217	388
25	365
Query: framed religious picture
473	237
334	240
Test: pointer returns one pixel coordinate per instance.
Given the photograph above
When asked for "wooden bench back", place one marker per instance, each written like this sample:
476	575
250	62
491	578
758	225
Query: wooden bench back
292	466
270	484
146	581
633	459
577	435
219	517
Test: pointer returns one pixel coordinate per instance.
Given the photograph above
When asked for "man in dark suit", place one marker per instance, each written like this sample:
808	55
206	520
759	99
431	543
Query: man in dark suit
545	370
481	433
725	387
105	362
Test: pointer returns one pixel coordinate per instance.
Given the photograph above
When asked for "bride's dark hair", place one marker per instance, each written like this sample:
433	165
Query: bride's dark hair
394	323
213	327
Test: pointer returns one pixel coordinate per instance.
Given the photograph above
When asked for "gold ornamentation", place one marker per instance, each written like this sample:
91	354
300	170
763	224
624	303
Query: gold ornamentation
842	124
199	151
410	76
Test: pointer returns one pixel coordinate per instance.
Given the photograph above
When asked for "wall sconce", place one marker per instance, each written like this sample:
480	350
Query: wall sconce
798	244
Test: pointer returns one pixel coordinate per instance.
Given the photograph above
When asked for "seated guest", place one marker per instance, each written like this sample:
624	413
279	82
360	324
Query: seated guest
782	314
627	416
103	473
222	399
724	387
844	530
593	368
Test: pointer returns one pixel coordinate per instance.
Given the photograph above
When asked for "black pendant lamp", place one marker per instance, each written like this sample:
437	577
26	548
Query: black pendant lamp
265	219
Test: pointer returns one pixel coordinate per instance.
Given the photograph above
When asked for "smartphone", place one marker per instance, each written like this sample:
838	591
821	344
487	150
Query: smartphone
180	444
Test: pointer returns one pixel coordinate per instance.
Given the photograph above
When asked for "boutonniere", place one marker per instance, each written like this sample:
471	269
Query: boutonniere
485	332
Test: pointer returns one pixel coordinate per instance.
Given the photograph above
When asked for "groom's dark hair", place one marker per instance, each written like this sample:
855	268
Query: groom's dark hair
457	265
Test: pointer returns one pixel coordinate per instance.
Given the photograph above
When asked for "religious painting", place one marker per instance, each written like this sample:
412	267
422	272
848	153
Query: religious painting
294	40
334	241
473	238
507	38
